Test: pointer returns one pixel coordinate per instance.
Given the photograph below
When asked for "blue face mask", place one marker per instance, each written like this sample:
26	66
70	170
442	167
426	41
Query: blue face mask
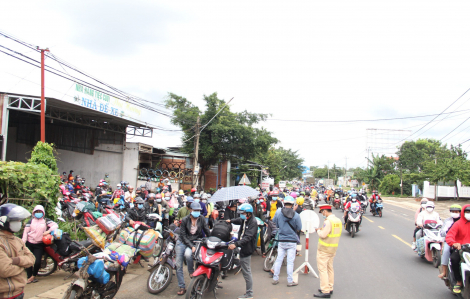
196	200
195	214
118	188
243	216
140	206
38	215
257	202
274	198
159	200
261	200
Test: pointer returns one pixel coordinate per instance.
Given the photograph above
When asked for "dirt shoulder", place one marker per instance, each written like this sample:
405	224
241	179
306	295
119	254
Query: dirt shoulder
412	204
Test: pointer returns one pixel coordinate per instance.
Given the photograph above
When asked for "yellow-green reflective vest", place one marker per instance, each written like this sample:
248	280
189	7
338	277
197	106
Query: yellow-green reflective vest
330	243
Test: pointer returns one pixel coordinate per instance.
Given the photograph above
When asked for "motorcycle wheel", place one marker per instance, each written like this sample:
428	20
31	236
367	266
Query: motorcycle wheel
269	260
380	213
436	258
50	265
353	230
195	290
158	248
159	279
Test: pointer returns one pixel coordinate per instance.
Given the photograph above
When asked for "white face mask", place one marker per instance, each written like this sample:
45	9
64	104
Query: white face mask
429	210
455	215
204	201
467	216
15	226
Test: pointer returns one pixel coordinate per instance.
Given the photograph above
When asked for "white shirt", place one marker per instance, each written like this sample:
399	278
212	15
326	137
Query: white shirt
424	215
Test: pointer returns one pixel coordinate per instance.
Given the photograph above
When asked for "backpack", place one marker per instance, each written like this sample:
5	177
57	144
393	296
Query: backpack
222	230
63	245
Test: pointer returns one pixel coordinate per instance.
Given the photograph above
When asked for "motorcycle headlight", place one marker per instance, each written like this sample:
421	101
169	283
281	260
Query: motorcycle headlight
211	245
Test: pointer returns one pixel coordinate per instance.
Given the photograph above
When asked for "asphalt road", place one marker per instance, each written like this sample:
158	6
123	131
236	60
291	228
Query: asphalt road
377	263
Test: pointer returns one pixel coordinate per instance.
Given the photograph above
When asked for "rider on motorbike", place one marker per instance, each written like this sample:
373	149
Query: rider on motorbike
375	196
458	235
348	205
428	214
191	229
424	201
455	211
137	213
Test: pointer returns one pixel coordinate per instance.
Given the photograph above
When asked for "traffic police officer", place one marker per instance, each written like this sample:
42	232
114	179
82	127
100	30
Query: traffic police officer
327	245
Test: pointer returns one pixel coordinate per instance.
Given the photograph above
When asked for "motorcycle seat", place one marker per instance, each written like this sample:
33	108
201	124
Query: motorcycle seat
85	243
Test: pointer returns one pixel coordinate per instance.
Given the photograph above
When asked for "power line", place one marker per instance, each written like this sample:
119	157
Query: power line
455	128
363	120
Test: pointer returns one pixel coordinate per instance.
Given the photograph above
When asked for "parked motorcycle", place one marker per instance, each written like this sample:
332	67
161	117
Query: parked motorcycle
337	202
212	256
429	246
377	210
161	272
354	219
271	252
87	287
52	260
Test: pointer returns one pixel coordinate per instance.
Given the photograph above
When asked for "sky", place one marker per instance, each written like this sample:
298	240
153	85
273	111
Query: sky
298	61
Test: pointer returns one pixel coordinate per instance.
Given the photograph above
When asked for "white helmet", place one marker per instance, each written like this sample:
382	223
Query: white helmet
430	204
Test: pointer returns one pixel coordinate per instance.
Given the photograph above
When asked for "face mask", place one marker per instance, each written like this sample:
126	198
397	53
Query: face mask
467	216
167	198
455	215
151	200
261	200
15	226
324	216
274	198
140	206
118	188
429	210
196	200
243	216
38	215
195	214
204	201
257	202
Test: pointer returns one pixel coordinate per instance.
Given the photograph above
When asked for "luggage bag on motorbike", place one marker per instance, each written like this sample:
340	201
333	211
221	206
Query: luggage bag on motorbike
108	223
96	235
63	245
226	259
222	230
143	240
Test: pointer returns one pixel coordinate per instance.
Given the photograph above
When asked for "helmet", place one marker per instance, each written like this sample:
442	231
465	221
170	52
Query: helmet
467	209
375	191
118	185
455	208
204	196
190	199
300	200
151	195
430	204
197	195
246	207
196	206
209	195
181	192
48	239
275	193
158	195
242	200
257	188
167	194
193	190
139	200
12	213
302	193
293	194
289	200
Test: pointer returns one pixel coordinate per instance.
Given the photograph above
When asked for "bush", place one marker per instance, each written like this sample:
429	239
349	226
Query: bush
390	184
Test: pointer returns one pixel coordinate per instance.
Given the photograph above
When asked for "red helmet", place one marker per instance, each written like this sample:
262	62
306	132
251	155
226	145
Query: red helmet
193	190
270	193
275	193
158	195
48	239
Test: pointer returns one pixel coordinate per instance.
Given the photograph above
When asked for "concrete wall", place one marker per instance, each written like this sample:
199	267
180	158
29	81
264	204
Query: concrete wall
106	159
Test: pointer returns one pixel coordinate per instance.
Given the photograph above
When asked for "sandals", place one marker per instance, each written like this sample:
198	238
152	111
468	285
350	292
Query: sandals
181	292
457	289
32	281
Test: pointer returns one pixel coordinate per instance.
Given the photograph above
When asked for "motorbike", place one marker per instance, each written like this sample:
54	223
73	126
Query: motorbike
52	260
450	280
354	219
87	287
432	241
155	221
161	272
342	203
212	256
321	197
271	252
364	205
337	202
377	210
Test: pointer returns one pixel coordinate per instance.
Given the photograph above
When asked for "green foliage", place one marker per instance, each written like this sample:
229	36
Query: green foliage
72	228
321	172
379	168
390	184
43	154
33	180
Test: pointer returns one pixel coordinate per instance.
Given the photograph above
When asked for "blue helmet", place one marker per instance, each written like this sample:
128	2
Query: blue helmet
196	206
289	200
12	213
190	199
246	207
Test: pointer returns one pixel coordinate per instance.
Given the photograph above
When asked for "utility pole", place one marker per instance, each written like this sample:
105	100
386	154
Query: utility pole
196	154
43	100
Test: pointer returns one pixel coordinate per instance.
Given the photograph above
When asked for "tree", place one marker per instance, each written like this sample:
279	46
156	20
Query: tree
448	165
229	135
321	172
380	167
390	184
